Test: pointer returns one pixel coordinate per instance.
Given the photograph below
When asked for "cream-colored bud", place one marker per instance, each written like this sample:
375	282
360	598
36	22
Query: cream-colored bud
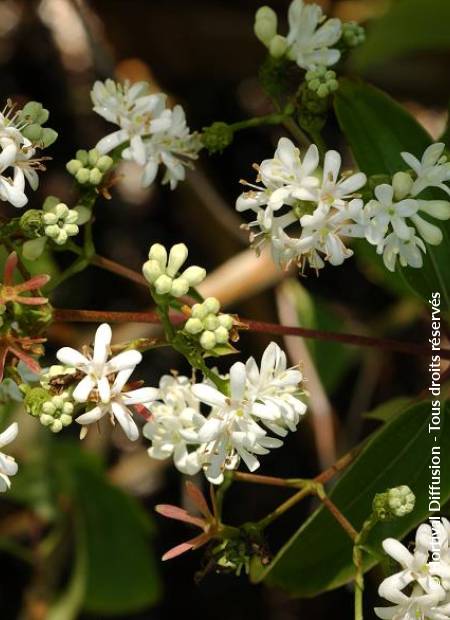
278	46
65	419
212	304
49	407
221	334
199	311
163	284
211	322
226	320
429	232
46	419
208	340
56	426
402	184
440	209
193	326
265	26
159	253
194	275
177	257
180	287
151	270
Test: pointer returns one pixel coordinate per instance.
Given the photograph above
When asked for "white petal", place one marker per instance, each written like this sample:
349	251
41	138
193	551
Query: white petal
125	419
9	434
8	465
126	359
209	395
83	389
104	389
237	381
141	395
91	416
110	142
71	357
210	430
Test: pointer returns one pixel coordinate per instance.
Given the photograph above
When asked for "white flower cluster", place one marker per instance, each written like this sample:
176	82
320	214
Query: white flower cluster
103	383
8	465
151	133
325	205
395	224
310	39
268	396
17	161
296	191
162	270
421	589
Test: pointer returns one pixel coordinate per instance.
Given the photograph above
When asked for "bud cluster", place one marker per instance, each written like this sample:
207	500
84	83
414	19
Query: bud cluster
211	327
162	271
217	137
89	167
322	81
353	34
394	503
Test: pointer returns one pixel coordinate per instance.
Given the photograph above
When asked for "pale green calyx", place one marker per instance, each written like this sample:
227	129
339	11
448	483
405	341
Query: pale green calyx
322	81
394	503
89	167
60	222
353	34
162	270
34	115
206	322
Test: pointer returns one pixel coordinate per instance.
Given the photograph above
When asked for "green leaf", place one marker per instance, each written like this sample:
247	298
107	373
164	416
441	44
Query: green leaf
378	129
386	411
409	26
332	360
319	556
121	573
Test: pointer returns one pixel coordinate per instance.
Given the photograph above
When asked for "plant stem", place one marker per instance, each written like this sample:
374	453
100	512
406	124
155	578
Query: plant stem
337	514
112	266
309	489
270	119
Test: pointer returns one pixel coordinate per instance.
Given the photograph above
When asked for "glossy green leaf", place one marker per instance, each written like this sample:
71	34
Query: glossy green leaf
386	411
319	556
408	27
378	129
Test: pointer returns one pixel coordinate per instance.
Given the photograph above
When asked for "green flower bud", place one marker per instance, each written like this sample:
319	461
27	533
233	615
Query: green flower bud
266	23
46	419
95	176
105	163
73	166
396	502
93	156
199	311
49	407
353	34
221	334
66	419
193	326
35	399
211	322
208	340
82	176
159	253
82	156
217	137
56	426
31	223
278	46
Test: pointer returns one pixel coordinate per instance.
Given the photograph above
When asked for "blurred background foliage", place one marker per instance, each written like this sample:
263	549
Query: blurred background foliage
78	538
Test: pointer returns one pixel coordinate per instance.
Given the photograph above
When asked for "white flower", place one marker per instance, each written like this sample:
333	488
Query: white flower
8	465
176	420
408	250
385	211
232	430
311	36
118	405
154	134
16	163
433	170
134	110
335	191
174	148
425	596
162	271
96	366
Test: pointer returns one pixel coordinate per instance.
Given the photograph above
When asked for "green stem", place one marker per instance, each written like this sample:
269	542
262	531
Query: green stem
277	118
358	563
78	265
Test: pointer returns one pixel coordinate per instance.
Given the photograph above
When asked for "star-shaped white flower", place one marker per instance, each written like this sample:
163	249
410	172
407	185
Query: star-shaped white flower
118	405
96	366
8	465
385	211
432	170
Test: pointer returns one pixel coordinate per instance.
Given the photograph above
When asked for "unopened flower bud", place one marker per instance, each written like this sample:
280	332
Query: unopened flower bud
212	305
151	270
159	253
46	419
353	34
429	232
194	275
31	223
82	176
193	326
217	137
440	209
82	156
177	256
65	418
180	286
265	26
104	163
199	311
163	284
73	166
278	46
211	322
401	500
56	426
208	340
221	334
226	320
402	183
93	156
95	176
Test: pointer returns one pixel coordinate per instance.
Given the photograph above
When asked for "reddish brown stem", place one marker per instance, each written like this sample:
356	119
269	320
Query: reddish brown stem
337	514
410	348
121	270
